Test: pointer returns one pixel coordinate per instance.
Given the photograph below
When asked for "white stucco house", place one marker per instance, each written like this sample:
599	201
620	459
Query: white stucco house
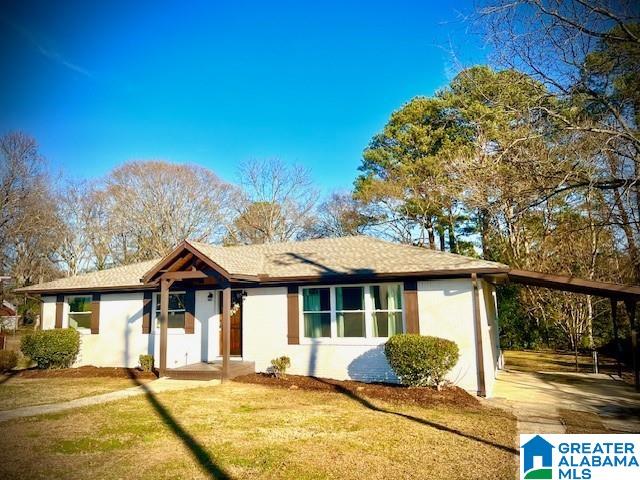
328	304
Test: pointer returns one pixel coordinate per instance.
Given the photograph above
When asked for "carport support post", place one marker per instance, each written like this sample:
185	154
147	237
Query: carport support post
477	321
630	304
616	338
226	331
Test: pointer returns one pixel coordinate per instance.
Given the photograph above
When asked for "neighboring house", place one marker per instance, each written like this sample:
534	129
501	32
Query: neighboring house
328	304
8	316
7	309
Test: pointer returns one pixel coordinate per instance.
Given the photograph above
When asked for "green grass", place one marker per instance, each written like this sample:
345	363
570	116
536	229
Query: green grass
550	361
90	444
251	431
582	422
18	392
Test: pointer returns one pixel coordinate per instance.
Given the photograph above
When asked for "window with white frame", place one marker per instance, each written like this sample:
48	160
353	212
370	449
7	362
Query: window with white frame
316	311
80	312
386	316
352	311
176	310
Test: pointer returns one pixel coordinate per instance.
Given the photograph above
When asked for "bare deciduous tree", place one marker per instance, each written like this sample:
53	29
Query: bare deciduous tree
75	248
341	216
29	225
152	206
99	228
276	203
587	54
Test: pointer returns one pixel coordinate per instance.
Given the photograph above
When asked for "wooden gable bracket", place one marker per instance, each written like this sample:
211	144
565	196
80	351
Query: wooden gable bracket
185	253
183	275
181	262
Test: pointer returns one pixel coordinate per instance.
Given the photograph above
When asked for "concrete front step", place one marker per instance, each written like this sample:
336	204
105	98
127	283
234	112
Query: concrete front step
209	371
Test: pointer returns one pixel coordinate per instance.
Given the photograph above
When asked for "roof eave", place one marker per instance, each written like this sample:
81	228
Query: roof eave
111	288
266	279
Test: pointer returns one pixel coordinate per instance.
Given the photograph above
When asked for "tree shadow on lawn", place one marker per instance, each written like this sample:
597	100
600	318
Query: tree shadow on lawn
198	451
207	463
5	377
366	403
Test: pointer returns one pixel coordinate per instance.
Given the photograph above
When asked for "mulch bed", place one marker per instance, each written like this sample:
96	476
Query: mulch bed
423	396
86	372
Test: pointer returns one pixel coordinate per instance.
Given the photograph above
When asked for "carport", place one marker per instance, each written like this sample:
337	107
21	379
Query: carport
627	294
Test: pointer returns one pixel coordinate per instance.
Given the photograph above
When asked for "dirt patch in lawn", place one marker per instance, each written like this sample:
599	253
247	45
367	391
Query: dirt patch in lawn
86	372
422	396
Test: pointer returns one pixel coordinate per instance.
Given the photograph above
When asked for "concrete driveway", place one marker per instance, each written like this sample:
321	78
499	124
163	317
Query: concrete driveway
536	397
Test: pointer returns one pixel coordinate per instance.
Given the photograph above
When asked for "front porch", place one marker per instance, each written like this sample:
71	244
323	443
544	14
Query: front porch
188	270
210	371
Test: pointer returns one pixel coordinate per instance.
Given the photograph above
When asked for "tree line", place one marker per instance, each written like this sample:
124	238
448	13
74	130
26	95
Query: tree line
531	160
53	226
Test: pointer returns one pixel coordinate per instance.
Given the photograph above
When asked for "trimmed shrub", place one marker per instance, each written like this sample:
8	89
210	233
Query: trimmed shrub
421	360
280	365
8	360
146	363
52	348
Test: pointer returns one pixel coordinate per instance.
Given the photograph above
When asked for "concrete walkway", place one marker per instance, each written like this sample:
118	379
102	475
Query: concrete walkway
536	397
156	386
532	417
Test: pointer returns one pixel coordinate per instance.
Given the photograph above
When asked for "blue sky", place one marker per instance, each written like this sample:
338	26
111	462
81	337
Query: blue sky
216	83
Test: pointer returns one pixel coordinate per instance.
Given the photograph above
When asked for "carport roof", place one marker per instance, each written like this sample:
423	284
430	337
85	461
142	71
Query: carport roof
573	284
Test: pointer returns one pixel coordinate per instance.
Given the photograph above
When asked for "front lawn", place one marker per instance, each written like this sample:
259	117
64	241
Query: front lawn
252	431
18	392
550	361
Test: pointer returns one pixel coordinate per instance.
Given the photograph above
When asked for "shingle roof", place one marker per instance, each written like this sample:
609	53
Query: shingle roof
125	276
358	255
337	256
241	260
